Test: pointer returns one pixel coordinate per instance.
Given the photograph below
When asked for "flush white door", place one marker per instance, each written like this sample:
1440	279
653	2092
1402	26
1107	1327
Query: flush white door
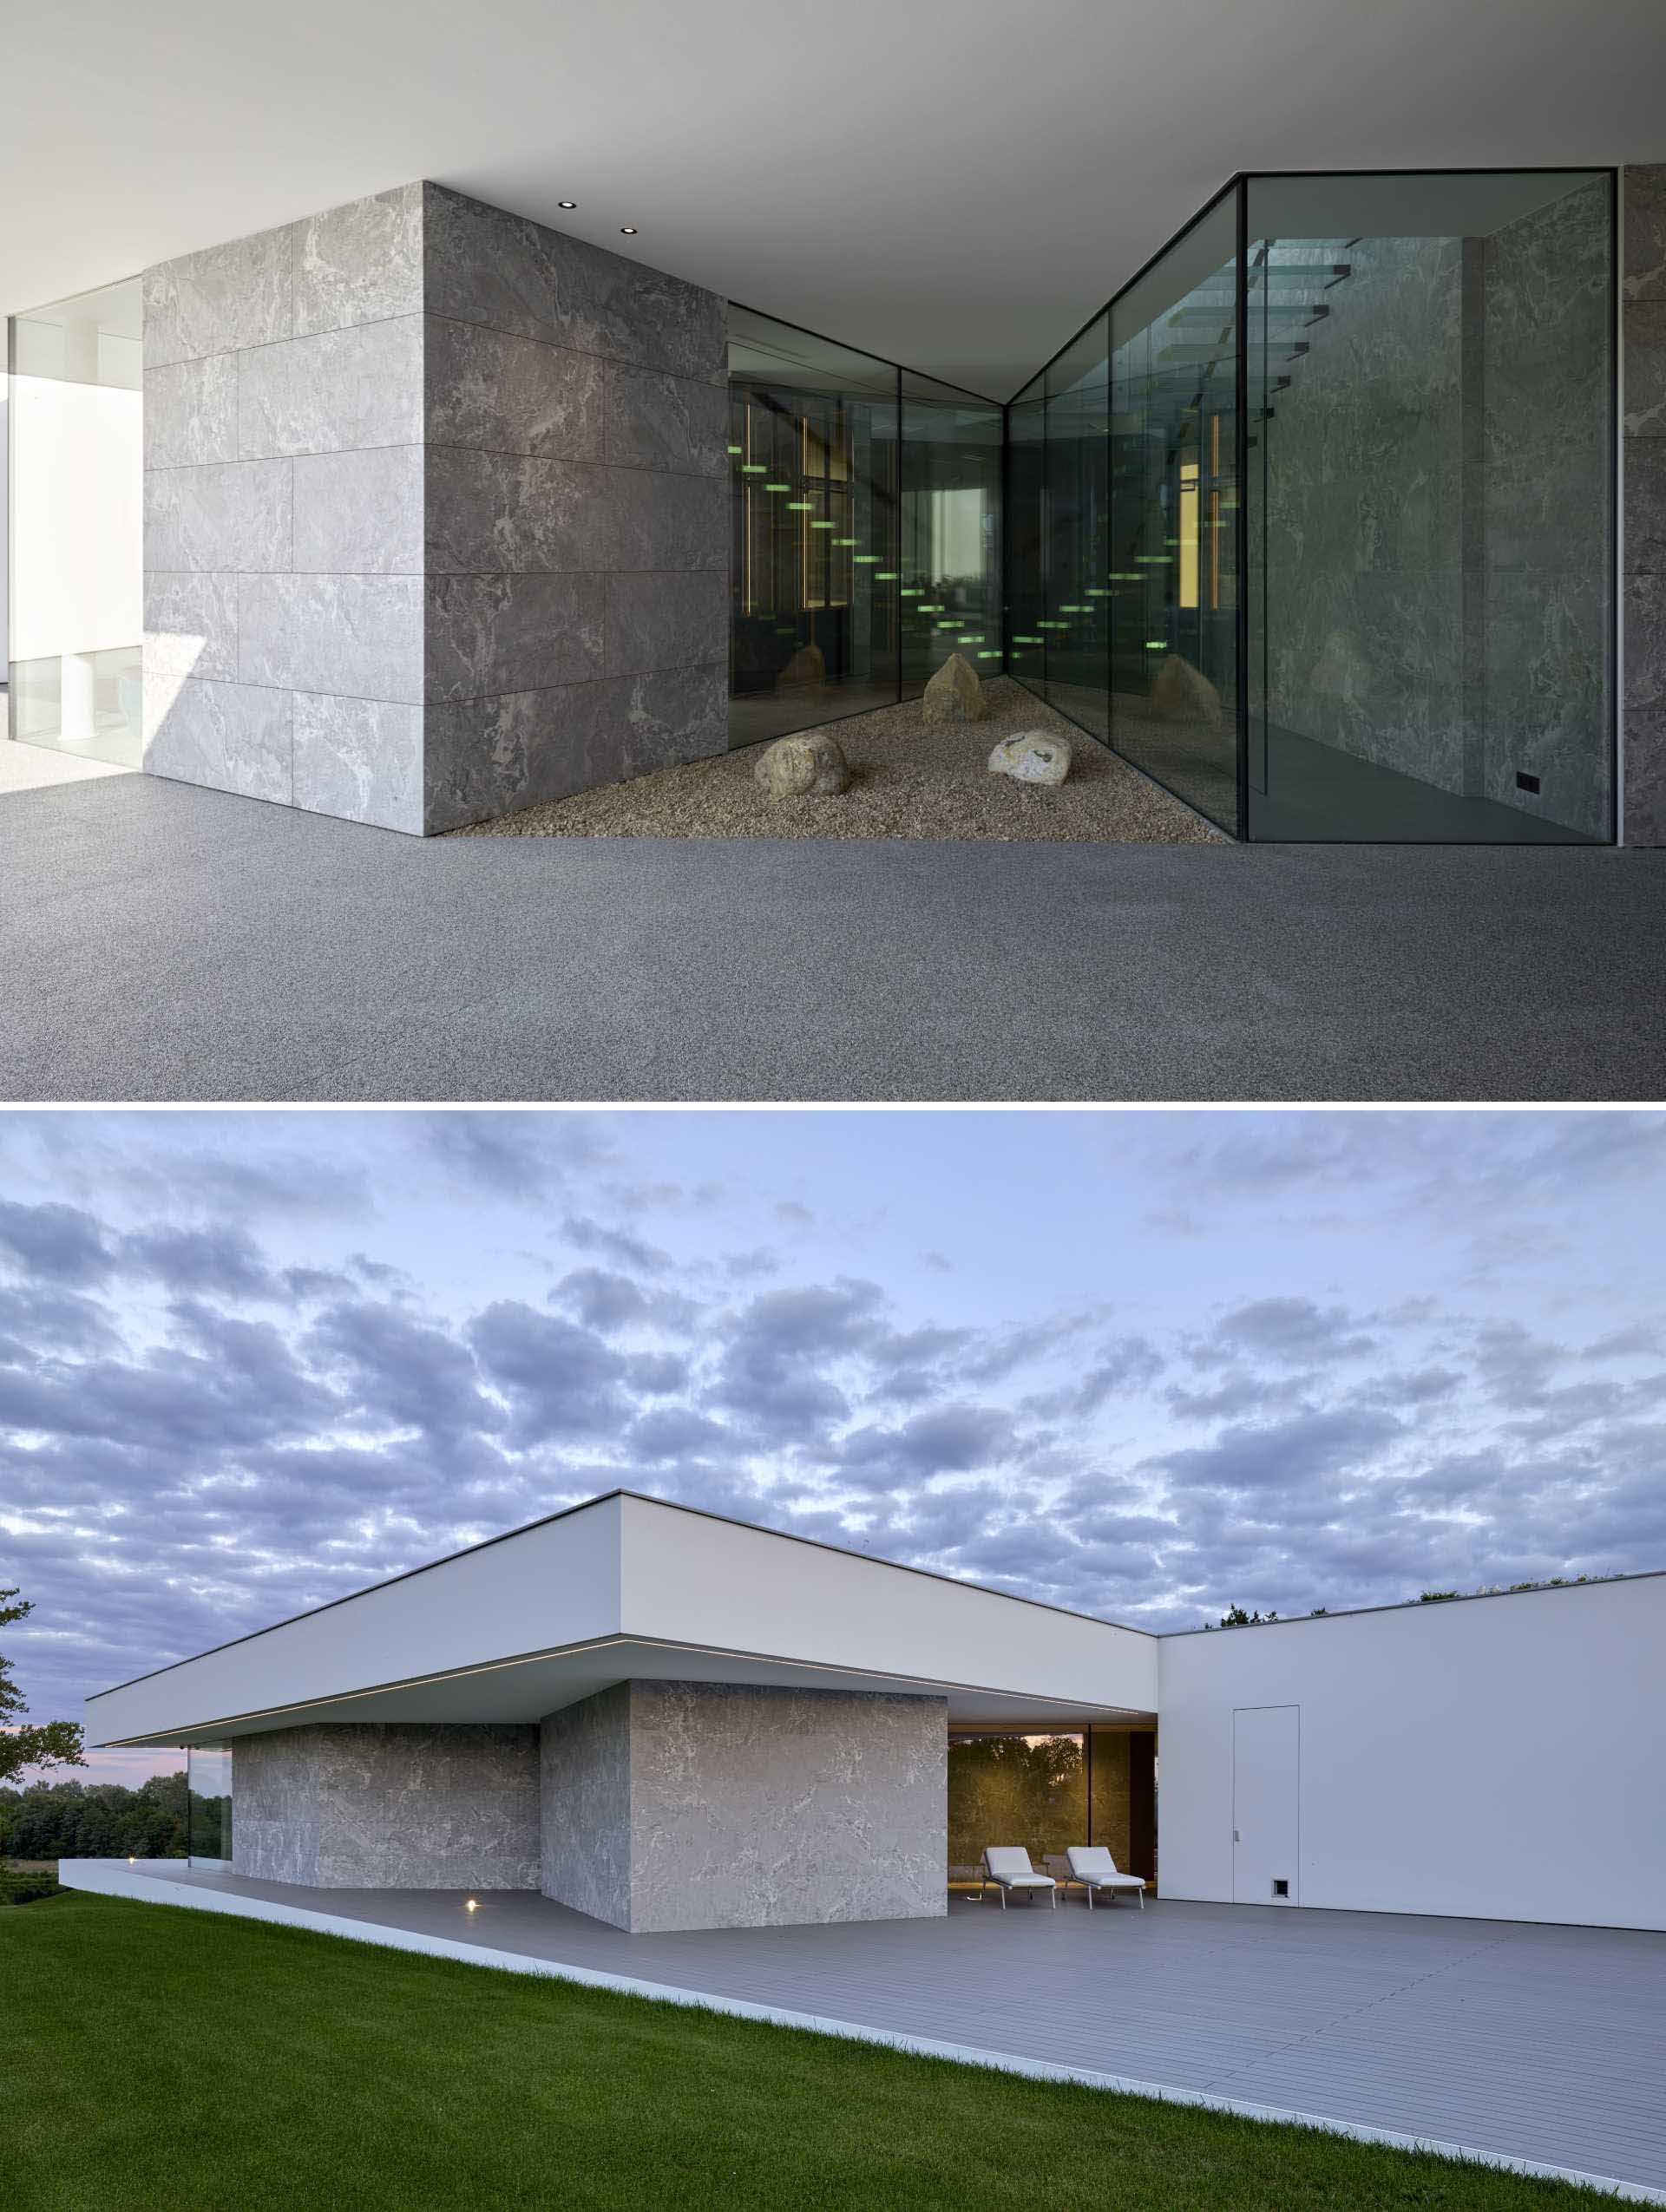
1266	1790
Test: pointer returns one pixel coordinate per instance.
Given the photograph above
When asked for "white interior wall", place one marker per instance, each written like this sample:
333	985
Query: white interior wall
1502	1758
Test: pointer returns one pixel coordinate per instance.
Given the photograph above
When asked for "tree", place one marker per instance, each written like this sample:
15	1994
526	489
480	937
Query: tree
51	1743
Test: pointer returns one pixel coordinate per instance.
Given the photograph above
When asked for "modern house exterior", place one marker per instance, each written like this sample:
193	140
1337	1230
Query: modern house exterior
1341	520
670	1720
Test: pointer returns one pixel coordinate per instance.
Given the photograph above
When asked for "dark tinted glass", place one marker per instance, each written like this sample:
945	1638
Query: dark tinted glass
1174	604
815	469
1431	461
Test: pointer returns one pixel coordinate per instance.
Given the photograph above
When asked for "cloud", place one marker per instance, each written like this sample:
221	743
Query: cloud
55	1243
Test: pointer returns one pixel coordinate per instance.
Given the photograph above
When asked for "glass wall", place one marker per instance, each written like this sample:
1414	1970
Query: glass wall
1026	494
950	586
1344	548
75	555
1174	506
208	1792
865	529
1077	532
1046	1791
1431	427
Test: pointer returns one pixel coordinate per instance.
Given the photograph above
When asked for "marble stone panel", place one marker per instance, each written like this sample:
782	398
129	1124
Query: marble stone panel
656	421
1644	187
510	273
1644	621
333	391
191	625
360	263
767	1808
492	514
234	514
191	412
1645	503
238	294
513	634
356	636
665	522
1645	776
494	756
359	513
230	737
585	1802
1547	696
513	394
360	759
1546	503
679	620
275	1793
427	1806
1644	354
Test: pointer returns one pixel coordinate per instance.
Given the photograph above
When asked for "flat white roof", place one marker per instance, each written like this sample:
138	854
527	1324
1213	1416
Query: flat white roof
625	1585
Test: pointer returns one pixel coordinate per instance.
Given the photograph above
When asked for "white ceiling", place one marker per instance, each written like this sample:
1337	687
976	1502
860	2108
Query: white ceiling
954	184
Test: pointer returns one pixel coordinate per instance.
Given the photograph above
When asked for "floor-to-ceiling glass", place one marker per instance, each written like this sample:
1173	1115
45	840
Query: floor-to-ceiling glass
1174	517
814	451
1076	532
208	1797
1026	494
1008	1788
76	556
1431	460
950	584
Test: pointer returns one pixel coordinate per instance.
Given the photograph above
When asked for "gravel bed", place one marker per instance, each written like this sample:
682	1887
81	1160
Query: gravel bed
911	778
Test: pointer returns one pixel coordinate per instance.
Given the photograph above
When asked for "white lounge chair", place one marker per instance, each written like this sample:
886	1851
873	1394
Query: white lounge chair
1007	1865
1092	1865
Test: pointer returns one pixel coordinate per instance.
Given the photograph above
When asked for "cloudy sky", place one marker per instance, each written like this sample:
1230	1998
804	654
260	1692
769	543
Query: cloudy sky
1143	1364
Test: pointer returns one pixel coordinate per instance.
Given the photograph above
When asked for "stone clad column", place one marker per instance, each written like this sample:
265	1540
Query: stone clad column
695	1804
435	520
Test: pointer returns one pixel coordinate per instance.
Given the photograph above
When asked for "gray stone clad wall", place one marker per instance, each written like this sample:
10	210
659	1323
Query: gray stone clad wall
435	514
283	432
1643	308
388	1806
686	1805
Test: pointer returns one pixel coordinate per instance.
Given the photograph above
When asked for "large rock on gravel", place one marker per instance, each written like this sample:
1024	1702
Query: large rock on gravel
1033	756
1183	693
810	766
954	693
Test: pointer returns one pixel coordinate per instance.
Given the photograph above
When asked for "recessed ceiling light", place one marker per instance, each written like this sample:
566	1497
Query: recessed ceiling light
567	203
627	230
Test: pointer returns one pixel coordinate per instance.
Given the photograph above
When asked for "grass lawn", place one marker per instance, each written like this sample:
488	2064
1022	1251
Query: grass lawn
154	2057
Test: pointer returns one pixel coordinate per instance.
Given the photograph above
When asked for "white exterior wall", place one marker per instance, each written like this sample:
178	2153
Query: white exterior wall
715	1583
551	1585
1499	1757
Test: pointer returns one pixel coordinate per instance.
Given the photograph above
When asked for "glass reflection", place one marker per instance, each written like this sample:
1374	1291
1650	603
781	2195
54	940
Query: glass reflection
1075	627
209	1791
815	460
75	564
950	588
1012	1789
1174	492
1026	460
1431	420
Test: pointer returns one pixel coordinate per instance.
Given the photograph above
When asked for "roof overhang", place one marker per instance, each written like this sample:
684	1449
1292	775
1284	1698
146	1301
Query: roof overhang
628	1588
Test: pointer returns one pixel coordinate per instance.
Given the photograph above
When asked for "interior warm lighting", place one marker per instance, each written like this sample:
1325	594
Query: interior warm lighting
472	1906
1188	534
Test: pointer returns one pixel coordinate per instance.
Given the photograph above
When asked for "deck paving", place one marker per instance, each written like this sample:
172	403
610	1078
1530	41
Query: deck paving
1515	2040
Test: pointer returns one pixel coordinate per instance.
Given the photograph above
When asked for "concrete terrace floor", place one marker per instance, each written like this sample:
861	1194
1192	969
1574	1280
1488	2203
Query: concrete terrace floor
162	942
1517	2041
